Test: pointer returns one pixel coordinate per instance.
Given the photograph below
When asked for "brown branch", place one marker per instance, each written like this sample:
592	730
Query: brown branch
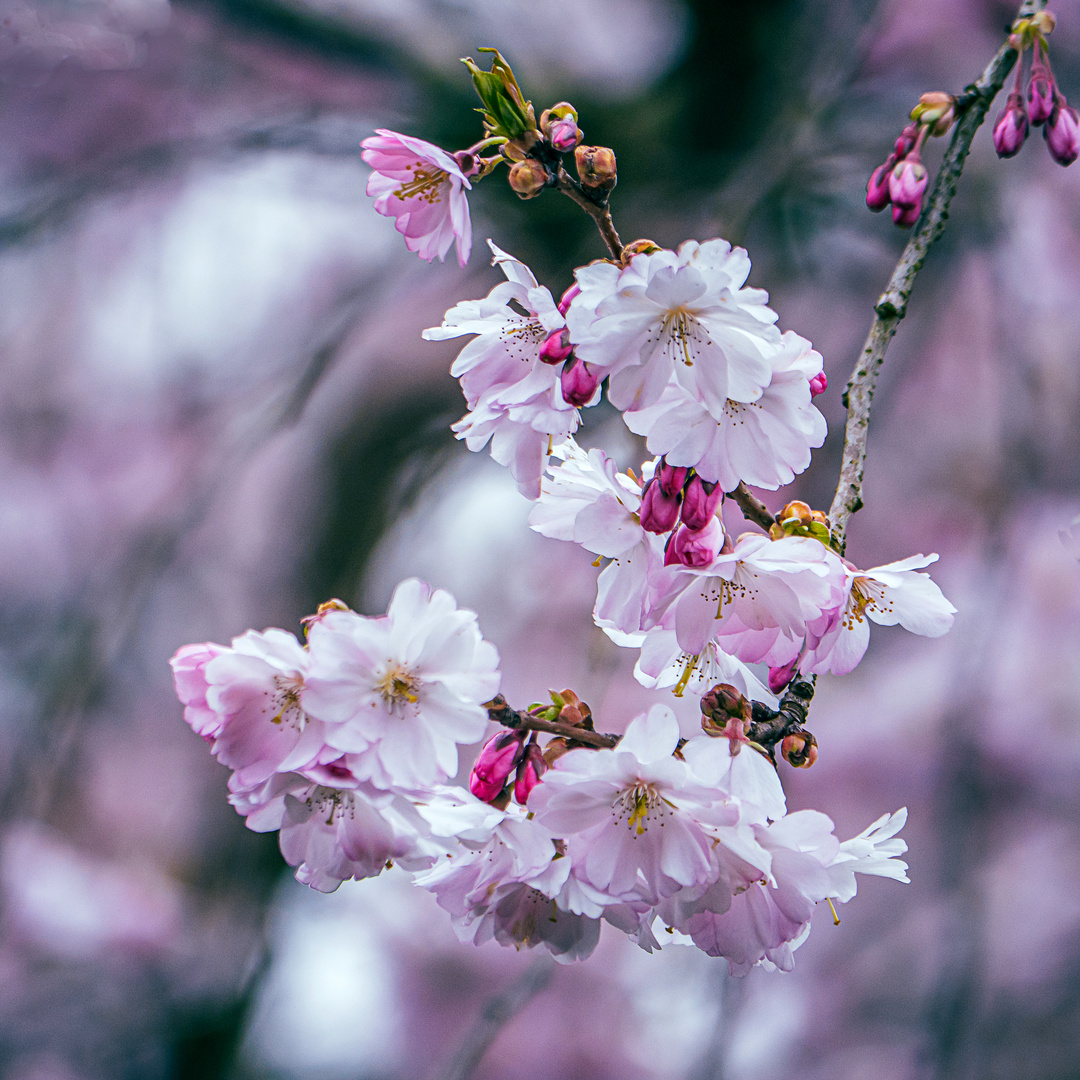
891	307
597	210
752	507
502	713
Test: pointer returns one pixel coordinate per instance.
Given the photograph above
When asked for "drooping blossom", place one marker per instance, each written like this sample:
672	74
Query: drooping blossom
515	397
423	188
890	594
765	442
685	314
399	692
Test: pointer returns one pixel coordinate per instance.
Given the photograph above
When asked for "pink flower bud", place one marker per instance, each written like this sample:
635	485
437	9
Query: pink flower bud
568	298
906	142
700	502
907	182
659	512
818	384
877	187
906	216
496	762
688	547
1062	133
779	677
532	767
671	477
800	749
1011	127
556	347
578	384
1040	94
564	134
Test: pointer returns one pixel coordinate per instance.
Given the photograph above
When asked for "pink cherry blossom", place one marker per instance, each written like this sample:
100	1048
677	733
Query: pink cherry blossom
422	187
401	691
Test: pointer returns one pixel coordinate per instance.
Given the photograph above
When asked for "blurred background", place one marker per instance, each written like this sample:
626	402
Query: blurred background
217	412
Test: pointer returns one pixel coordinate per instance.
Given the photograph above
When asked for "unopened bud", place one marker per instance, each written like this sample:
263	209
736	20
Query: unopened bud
574	710
529	771
1062	133
700	502
578	384
528	178
796	513
877	187
1044	22
906	216
1011	127
688	547
671	477
724	702
556	347
568	298
1040	94
559	125
779	677
596	167
905	142
497	760
800	749
818	384
936	110
658	512
907	182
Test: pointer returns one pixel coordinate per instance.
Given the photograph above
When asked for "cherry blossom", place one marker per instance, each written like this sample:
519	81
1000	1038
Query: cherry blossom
685	313
890	594
423	188
401	691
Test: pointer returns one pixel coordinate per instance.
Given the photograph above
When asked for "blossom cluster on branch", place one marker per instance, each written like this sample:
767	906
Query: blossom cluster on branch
347	743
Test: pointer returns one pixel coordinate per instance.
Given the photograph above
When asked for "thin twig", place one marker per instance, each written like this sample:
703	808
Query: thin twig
892	304
752	507
597	210
494	1016
502	713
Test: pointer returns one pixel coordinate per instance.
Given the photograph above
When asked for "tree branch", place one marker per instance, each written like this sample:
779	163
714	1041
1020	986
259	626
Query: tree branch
501	713
752	507
891	307
597	210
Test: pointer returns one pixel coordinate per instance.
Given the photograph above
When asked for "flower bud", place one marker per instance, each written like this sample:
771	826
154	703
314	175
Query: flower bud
573	710
556	347
696	548
578	384
700	502
936	110
671	477
658	512
905	143
818	384
1062	133
800	749
1044	22
906	216
725	702
528	178
596	167
779	677
559	124
497	760
907	182
529	771
1011	127
1040	94
877	187
796	514
568	298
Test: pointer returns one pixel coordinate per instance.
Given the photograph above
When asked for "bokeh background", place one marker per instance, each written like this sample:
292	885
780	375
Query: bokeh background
217	411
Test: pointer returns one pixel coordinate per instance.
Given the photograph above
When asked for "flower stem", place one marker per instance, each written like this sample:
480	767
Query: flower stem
596	208
891	307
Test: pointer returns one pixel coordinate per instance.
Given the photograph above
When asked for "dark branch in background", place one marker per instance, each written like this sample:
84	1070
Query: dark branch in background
498	1011
891	307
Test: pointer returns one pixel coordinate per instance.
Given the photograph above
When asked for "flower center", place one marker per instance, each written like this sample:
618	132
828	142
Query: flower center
286	701
681	328
636	805
333	803
398	686
426	184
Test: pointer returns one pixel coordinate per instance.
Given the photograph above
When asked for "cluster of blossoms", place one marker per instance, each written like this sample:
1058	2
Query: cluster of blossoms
346	743
1045	104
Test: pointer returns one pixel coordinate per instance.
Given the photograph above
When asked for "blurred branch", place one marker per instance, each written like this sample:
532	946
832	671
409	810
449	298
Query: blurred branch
891	307
494	1016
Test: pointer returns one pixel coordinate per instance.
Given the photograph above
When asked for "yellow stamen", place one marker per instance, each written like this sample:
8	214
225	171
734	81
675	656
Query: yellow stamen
598	560
639	813
688	670
835	917
425	183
